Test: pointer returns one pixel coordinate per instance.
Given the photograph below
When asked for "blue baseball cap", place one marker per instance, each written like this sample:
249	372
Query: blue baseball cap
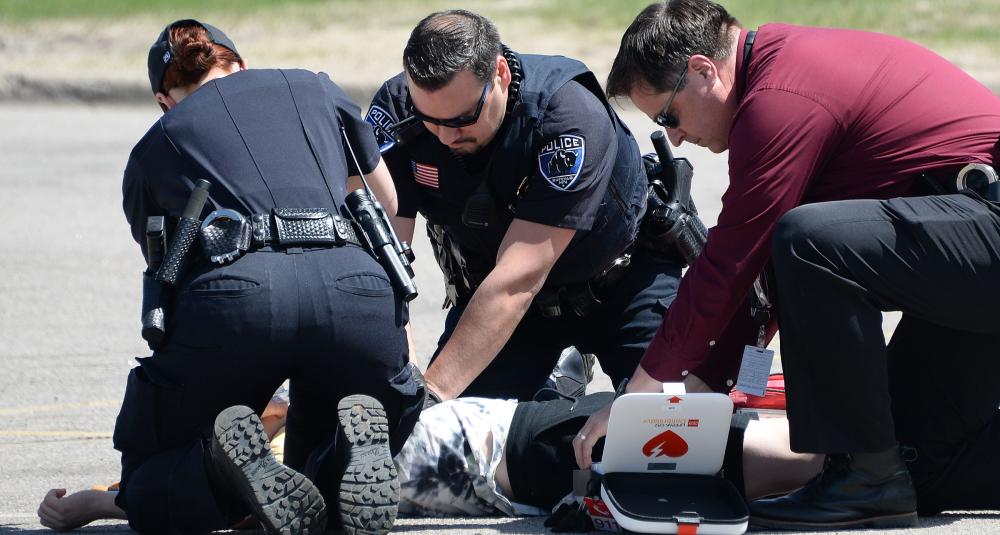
161	53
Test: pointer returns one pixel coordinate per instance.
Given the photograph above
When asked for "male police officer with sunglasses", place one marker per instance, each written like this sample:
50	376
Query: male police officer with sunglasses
533	191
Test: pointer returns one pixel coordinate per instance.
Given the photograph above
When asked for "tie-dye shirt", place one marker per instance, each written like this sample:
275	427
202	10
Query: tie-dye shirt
447	466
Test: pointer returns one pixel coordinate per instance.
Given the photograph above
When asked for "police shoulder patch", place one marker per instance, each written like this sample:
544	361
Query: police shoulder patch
561	160
381	122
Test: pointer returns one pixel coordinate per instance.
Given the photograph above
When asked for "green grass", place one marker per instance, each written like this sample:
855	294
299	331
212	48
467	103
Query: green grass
936	23
928	21
935	20
35	10
953	21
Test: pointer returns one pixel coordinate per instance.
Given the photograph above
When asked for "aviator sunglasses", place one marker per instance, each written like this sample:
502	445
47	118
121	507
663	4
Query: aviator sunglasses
461	120
665	118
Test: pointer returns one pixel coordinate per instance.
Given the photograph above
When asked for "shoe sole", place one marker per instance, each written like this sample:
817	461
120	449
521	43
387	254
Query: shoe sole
369	490
283	500
904	520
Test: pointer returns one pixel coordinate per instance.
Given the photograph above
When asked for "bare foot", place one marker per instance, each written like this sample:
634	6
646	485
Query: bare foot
64	513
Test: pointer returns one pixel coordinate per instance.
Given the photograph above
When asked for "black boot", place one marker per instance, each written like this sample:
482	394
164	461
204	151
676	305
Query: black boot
853	491
283	500
570	377
369	489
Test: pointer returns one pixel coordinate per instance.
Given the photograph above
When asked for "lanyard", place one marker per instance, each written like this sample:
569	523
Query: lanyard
747	47
760	304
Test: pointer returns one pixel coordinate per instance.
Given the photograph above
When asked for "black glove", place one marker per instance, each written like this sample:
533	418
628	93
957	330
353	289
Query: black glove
569	518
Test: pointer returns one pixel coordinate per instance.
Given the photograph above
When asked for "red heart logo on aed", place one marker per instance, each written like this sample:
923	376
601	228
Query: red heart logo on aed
666	444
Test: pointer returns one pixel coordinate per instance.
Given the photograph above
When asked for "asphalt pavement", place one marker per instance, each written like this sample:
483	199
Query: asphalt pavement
69	307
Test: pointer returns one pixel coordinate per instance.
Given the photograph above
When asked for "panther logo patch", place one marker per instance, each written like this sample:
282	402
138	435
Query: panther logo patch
561	160
381	122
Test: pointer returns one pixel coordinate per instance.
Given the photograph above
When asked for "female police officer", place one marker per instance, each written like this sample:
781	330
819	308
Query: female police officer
320	313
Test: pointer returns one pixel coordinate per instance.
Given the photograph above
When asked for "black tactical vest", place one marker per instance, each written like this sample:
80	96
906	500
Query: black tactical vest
468	254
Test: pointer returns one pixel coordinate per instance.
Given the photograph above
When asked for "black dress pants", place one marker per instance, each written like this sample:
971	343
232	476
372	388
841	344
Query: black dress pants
326	319
936	386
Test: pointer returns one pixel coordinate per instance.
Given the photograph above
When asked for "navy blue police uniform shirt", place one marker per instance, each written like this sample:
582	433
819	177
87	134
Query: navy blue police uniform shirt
573	158
264	139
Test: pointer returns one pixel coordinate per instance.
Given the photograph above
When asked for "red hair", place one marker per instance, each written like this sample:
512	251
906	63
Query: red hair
193	56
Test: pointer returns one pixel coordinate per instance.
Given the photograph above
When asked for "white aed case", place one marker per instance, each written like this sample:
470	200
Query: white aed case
661	463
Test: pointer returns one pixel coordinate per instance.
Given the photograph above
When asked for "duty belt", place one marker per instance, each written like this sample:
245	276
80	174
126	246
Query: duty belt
226	234
582	298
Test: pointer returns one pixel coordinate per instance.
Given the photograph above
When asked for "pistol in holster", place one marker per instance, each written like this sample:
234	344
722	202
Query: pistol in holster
671	226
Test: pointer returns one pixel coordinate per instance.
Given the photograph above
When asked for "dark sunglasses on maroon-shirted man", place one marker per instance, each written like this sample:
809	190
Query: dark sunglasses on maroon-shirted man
665	118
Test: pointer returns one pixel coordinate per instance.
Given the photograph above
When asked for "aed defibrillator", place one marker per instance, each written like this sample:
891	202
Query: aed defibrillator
660	471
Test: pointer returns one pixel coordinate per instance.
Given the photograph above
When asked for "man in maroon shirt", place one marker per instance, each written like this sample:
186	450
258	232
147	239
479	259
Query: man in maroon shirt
833	136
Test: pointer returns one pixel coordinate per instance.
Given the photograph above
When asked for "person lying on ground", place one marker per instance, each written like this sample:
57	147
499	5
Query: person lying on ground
481	457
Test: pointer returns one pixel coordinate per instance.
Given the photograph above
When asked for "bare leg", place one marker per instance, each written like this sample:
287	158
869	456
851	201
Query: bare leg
501	477
770	466
64	513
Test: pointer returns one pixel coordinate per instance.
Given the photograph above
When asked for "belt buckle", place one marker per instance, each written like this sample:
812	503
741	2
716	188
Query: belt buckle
225	235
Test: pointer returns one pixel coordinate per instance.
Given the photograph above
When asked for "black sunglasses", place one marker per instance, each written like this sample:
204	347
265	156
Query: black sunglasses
461	120
665	118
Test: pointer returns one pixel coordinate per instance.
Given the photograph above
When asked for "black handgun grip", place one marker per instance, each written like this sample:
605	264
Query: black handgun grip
673	221
665	156
682	183
185	236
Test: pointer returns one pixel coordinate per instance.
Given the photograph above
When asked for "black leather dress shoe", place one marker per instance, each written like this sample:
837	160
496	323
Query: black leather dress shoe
853	491
570	377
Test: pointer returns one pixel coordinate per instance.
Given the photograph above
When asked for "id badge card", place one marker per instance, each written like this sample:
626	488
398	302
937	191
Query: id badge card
754	370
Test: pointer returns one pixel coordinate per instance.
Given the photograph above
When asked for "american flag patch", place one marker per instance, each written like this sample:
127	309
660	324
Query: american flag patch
425	174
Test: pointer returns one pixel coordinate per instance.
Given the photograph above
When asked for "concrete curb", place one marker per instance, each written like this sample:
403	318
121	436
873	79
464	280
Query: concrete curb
19	88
